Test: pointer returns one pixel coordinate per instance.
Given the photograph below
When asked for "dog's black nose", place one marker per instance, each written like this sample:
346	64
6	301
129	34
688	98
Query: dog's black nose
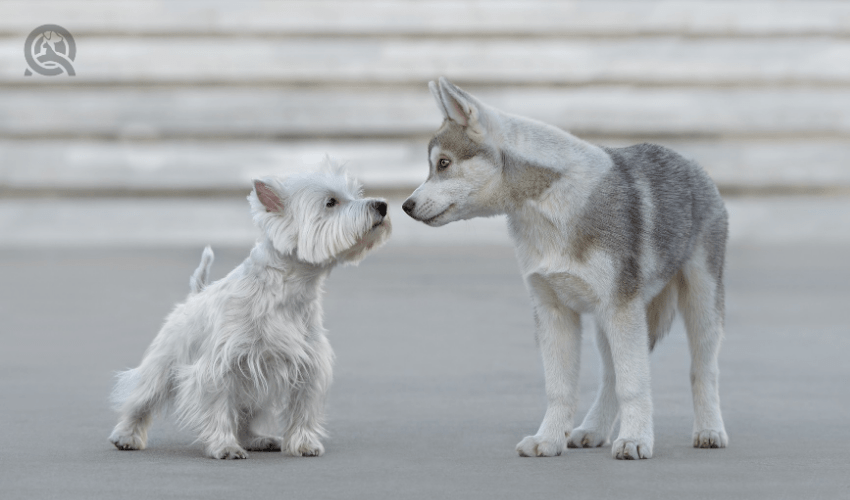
381	207
408	206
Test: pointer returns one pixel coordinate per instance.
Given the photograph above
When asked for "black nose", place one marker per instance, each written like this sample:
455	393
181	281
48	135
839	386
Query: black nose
381	207
408	206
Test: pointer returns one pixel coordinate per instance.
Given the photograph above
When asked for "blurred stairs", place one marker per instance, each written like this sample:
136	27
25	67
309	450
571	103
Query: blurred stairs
193	98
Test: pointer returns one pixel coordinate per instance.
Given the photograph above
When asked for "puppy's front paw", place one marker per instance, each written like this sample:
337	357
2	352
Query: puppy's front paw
710	438
585	438
631	449
229	453
264	443
127	441
305	445
539	446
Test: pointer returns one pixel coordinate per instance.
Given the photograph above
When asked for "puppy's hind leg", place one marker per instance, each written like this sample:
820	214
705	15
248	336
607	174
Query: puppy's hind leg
559	340
701	303
596	428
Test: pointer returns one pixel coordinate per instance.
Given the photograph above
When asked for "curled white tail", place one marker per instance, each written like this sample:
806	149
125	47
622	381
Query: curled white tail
201	276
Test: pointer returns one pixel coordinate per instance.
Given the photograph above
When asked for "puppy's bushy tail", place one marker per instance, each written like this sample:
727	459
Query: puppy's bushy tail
201	276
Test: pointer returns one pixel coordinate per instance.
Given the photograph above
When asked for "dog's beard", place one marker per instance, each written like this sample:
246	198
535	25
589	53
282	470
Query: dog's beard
374	236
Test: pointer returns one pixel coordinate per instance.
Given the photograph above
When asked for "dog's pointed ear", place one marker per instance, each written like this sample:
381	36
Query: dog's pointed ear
268	196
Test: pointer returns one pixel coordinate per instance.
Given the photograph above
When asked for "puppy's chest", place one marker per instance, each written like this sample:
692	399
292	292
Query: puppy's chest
556	276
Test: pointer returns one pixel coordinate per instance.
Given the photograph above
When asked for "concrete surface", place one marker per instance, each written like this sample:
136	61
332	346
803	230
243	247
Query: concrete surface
437	379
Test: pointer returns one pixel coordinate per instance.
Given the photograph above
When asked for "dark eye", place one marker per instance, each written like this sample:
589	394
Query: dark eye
331	203
444	163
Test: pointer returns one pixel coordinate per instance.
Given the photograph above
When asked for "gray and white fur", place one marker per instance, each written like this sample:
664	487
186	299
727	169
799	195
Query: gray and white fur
244	361
629	235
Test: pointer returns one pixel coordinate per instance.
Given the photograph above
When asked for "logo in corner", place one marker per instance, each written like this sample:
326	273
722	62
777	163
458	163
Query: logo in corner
49	50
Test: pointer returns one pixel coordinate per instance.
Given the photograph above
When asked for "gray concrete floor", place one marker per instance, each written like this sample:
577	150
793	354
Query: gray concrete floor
437	379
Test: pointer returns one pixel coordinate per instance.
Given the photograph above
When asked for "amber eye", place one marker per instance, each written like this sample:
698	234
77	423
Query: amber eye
444	163
331	203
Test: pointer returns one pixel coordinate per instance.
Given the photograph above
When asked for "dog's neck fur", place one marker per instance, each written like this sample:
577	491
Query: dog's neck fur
265	263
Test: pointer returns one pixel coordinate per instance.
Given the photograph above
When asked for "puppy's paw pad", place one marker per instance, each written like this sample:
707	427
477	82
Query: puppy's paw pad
710	438
264	443
229	453
128	442
538	446
585	438
631	449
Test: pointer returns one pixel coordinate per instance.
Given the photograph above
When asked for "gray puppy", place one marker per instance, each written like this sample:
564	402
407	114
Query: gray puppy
627	234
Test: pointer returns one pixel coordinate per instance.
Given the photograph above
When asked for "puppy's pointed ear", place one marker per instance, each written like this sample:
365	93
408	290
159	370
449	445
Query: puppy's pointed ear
435	91
463	109
268	196
459	105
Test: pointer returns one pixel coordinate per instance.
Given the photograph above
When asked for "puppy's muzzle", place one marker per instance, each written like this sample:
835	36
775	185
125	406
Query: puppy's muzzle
409	206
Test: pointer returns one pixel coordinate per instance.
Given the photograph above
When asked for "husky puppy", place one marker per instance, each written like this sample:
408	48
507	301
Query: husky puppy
246	357
627	234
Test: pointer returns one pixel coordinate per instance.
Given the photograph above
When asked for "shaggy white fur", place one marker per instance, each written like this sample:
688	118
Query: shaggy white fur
244	361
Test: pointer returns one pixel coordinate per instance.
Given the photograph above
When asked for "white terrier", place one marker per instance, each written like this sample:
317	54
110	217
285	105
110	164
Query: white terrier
627	234
247	356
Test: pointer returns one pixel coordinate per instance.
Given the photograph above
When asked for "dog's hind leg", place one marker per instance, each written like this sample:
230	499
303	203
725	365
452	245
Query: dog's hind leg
626	328
559	341
600	419
139	394
701	304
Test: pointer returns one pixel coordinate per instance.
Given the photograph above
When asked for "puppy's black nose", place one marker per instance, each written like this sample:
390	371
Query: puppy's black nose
381	207
408	206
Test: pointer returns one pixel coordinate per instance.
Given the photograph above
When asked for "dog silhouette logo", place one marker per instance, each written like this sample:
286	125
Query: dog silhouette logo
50	50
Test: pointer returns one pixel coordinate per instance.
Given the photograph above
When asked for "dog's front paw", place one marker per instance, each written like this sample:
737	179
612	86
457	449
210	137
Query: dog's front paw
539	446
229	453
710	438
264	443
585	438
631	449
305	445
127	442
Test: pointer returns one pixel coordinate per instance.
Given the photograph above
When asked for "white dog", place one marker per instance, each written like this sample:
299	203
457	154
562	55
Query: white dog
624	233
246	356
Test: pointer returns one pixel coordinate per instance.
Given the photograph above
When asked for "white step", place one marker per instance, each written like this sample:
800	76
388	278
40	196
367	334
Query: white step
226	167
153	222
248	113
655	60
433	18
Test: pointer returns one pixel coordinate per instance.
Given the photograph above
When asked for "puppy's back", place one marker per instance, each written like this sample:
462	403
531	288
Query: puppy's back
652	200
